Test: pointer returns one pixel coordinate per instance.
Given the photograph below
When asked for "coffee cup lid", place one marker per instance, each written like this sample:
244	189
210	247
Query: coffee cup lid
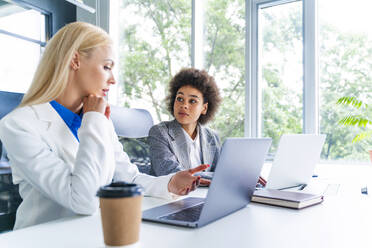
119	189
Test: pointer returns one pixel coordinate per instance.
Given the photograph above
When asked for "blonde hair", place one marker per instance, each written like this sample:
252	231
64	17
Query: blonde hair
51	76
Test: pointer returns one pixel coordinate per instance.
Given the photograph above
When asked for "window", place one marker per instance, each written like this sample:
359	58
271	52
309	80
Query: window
281	66
23	33
223	47
280	70
345	69
154	42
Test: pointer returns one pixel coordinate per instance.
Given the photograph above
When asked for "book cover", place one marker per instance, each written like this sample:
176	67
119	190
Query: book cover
288	199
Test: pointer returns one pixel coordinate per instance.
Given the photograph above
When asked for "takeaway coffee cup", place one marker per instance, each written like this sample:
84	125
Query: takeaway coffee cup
121	213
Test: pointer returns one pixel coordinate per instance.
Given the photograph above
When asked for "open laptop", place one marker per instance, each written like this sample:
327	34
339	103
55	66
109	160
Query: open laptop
295	160
233	184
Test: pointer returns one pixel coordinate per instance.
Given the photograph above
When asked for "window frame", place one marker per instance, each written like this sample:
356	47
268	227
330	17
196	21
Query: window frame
310	79
39	43
48	23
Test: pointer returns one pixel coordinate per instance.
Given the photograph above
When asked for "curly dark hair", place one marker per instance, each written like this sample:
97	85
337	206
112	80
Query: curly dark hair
200	80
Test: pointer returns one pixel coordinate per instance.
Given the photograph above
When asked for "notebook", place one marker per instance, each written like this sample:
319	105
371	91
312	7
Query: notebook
287	199
295	160
233	184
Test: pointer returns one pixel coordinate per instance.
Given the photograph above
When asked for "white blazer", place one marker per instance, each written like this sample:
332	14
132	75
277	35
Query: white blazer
58	176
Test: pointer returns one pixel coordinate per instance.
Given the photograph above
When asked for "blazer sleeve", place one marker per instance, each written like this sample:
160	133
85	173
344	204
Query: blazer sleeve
218	150
163	159
72	186
128	172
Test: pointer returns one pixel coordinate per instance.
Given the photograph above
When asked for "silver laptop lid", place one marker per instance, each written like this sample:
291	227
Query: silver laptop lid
295	160
235	177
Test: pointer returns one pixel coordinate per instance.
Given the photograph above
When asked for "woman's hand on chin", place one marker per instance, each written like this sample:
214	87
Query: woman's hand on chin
184	182
97	104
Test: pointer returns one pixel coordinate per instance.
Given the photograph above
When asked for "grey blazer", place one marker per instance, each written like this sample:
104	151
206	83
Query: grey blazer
168	148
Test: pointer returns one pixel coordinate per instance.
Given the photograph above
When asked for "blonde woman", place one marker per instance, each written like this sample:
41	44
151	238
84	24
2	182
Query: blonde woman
60	141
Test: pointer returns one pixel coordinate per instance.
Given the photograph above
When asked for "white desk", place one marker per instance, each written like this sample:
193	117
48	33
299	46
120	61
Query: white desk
344	219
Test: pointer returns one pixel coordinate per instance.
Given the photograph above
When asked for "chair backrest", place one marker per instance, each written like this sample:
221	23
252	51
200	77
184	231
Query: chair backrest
132	126
130	122
8	102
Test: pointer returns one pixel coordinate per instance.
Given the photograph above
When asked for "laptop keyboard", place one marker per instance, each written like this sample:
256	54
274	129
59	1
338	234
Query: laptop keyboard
191	214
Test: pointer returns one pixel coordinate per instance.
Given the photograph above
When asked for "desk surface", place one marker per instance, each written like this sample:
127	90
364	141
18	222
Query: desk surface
344	219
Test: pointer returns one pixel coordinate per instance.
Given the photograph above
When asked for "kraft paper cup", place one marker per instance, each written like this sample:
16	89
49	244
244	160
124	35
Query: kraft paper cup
121	213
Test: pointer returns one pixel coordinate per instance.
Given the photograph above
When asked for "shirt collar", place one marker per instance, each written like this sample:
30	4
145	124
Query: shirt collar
189	139
72	120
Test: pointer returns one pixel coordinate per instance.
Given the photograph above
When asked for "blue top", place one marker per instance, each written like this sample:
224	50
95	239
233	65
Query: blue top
72	120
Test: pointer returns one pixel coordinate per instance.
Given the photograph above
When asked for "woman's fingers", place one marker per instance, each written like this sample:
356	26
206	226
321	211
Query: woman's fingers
94	103
205	181
198	168
108	111
195	184
262	181
184	191
184	182
198	182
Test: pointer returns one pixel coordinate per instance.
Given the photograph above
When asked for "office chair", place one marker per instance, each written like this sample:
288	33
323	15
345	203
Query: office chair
132	126
130	122
8	102
9	196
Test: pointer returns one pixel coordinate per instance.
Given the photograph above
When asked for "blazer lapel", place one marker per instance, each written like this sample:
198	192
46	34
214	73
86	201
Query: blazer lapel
57	133
179	144
207	149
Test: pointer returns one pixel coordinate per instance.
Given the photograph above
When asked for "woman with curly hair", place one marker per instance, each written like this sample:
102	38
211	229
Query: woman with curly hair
185	143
